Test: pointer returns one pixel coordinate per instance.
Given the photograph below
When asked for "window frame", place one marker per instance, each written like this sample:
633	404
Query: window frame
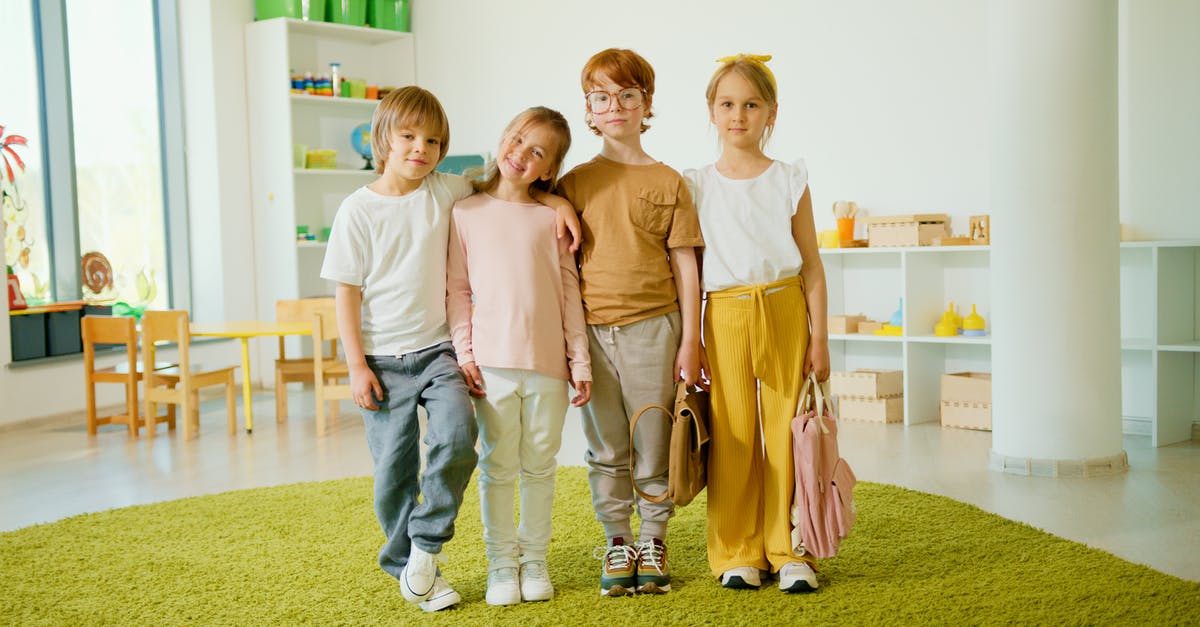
58	172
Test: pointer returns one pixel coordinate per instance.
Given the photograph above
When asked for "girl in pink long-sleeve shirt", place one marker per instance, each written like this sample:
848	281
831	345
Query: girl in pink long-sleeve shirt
518	347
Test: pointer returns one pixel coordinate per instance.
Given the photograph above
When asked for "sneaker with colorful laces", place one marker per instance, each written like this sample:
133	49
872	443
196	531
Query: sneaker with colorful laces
618	573
653	576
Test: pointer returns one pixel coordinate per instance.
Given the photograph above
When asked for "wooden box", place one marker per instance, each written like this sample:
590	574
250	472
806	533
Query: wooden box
966	401
867	384
869	327
907	230
845	324
882	410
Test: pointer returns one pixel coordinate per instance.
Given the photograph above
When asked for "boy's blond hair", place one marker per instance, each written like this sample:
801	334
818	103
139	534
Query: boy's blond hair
754	69
623	67
534	116
407	107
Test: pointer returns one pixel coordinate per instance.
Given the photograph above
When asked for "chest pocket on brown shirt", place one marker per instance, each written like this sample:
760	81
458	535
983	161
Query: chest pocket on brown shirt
652	211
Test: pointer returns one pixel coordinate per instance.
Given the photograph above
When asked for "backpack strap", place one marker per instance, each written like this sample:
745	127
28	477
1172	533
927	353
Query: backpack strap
632	477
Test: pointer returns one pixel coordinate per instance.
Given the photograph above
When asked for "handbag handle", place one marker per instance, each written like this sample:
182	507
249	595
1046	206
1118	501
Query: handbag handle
632	427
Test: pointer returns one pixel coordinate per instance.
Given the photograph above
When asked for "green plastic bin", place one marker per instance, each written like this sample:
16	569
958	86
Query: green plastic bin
312	10
390	14
352	12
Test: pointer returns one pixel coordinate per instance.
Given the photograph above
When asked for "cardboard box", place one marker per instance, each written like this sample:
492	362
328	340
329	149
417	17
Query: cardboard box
883	410
869	327
869	384
907	230
845	324
966	401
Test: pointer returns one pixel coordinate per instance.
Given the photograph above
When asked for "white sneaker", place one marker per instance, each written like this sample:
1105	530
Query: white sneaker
797	577
418	575
503	588
441	596
741	578
535	582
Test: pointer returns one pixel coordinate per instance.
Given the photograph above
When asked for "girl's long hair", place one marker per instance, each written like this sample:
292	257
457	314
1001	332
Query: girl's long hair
533	116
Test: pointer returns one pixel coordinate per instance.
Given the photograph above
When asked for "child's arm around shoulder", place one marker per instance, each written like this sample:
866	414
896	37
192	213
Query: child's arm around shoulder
566	220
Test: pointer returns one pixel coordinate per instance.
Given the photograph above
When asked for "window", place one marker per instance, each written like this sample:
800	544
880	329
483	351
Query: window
102	191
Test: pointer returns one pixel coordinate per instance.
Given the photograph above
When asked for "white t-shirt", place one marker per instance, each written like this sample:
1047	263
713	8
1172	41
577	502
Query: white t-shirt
747	224
394	248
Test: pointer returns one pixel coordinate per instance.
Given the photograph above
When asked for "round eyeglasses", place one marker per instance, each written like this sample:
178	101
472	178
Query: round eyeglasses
602	101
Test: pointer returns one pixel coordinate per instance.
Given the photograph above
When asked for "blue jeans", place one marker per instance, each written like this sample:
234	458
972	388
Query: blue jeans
430	378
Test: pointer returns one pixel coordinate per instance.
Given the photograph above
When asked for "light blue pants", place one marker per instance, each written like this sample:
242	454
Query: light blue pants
429	378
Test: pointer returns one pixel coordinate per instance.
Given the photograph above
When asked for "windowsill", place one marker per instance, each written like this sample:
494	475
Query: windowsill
100	352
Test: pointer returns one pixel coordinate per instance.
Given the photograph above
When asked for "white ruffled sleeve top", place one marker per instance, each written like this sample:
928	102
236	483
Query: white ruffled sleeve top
747	224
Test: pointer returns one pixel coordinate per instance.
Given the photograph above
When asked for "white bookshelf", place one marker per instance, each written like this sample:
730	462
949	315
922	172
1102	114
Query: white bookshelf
285	196
871	281
1160	328
1160	339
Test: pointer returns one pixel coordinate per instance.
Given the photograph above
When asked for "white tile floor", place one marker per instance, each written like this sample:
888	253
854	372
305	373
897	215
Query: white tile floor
51	469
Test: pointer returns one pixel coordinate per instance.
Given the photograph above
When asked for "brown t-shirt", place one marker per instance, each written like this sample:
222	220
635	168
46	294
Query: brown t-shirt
631	215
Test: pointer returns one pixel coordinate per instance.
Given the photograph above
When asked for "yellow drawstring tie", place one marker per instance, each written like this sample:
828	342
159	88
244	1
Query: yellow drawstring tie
759	331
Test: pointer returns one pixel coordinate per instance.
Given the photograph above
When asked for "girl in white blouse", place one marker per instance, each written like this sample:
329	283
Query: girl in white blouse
764	328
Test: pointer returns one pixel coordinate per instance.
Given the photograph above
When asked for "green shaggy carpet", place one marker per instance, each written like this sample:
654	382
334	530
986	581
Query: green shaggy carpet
305	554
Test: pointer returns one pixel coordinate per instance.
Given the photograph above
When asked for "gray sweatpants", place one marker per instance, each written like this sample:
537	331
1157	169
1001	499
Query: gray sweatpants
632	366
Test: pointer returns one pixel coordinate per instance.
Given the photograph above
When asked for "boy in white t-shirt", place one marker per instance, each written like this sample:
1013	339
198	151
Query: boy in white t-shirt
387	254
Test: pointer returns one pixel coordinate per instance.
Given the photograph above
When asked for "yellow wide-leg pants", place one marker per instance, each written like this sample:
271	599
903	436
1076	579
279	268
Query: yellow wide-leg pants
755	338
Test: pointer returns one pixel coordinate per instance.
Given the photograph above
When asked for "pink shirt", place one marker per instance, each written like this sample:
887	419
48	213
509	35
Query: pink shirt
527	313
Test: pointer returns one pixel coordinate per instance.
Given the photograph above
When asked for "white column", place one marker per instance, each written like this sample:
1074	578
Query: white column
1056	355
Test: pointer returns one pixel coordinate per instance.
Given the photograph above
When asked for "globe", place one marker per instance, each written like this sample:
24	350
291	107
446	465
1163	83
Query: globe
360	139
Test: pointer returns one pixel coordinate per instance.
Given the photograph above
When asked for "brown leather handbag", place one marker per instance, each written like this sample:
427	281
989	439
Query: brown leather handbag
687	469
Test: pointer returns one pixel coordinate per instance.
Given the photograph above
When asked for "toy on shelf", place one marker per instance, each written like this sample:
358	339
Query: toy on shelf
828	239
951	323
360	140
974	324
894	326
981	230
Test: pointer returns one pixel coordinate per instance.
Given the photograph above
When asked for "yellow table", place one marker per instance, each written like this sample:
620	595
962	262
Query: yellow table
244	330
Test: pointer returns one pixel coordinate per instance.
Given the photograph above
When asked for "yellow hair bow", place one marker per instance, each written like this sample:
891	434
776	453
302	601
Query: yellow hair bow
759	60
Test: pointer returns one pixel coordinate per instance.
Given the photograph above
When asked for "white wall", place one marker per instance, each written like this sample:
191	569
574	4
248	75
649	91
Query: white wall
1160	122
885	100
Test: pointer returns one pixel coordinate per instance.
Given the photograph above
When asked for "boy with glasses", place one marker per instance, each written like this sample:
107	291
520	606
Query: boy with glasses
641	297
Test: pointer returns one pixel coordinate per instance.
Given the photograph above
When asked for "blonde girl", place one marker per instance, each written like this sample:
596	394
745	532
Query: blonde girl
764	328
518	346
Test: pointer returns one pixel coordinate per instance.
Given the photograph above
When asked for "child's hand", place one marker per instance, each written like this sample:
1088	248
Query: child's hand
474	379
705	380
687	363
365	388
816	359
583	394
570	224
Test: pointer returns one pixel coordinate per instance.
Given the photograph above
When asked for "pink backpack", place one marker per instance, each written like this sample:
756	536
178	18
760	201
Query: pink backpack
823	506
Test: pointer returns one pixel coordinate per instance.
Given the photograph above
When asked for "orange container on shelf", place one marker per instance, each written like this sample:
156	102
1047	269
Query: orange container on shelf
845	227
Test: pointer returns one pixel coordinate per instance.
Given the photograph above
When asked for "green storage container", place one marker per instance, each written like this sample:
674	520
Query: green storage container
390	14
352	12
312	10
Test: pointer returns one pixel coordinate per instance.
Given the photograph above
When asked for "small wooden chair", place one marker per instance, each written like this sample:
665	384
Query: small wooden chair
298	369
172	326
120	331
327	373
